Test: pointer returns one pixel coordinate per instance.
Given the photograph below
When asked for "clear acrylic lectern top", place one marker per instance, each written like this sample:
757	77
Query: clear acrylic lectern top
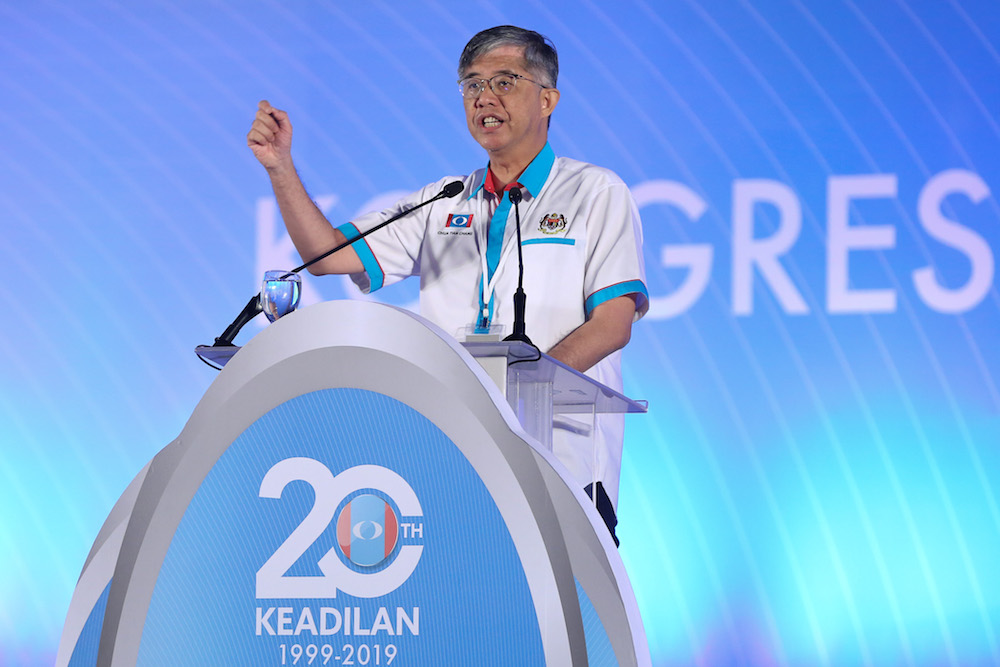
539	388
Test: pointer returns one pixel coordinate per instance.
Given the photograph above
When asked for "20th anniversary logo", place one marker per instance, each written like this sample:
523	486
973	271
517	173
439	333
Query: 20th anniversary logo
379	543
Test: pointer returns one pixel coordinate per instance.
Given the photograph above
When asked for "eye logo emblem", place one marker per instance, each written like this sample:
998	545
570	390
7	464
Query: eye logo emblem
367	530
463	220
359	531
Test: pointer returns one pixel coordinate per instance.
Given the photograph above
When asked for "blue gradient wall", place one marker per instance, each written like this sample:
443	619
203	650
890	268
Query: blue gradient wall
816	482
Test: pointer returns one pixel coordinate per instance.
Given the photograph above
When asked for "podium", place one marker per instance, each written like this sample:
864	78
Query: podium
356	488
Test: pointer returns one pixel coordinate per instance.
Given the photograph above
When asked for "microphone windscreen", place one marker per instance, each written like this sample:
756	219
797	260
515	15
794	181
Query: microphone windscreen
452	189
515	195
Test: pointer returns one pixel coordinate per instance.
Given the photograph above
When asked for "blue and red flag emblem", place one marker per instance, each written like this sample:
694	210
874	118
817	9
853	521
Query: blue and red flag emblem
367	530
463	220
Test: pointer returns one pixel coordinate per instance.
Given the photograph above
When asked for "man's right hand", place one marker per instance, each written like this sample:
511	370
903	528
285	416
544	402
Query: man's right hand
270	137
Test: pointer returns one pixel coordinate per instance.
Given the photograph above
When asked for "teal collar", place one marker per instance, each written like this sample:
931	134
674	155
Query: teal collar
534	176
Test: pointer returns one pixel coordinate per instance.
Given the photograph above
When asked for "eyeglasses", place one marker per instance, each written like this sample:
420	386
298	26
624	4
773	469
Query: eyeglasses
501	84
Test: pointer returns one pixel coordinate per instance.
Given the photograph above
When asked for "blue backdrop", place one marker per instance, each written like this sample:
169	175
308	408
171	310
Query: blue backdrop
816	482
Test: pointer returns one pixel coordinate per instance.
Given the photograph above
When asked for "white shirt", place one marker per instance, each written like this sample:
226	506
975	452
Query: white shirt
582	245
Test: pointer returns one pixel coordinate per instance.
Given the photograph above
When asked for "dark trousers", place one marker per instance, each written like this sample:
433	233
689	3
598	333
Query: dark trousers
605	507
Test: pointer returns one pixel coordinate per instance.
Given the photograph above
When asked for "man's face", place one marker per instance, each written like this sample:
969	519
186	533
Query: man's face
513	127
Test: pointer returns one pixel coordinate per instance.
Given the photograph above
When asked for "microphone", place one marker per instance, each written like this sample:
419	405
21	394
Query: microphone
519	296
253	306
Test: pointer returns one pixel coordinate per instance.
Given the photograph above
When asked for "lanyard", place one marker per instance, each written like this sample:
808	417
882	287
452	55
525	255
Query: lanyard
488	281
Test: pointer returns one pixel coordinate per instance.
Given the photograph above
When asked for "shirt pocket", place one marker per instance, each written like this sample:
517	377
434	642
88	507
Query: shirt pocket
540	241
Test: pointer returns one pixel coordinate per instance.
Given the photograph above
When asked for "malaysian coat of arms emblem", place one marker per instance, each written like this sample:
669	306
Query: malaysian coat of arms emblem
552	223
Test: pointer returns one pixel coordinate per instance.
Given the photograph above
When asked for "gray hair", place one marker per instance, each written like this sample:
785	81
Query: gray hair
540	56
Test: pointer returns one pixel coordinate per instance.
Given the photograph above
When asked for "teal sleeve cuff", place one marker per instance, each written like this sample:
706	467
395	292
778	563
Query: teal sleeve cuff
620	289
372	268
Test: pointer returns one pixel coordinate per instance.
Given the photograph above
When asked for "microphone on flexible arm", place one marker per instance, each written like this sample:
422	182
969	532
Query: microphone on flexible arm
253	306
519	296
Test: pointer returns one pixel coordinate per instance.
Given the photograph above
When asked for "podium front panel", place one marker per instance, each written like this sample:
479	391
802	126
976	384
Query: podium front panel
375	508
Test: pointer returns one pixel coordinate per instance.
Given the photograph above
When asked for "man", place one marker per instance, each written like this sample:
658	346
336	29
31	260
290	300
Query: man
583	267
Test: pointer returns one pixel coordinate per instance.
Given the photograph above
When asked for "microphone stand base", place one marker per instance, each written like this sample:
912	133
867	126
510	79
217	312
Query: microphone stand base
520	337
216	355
